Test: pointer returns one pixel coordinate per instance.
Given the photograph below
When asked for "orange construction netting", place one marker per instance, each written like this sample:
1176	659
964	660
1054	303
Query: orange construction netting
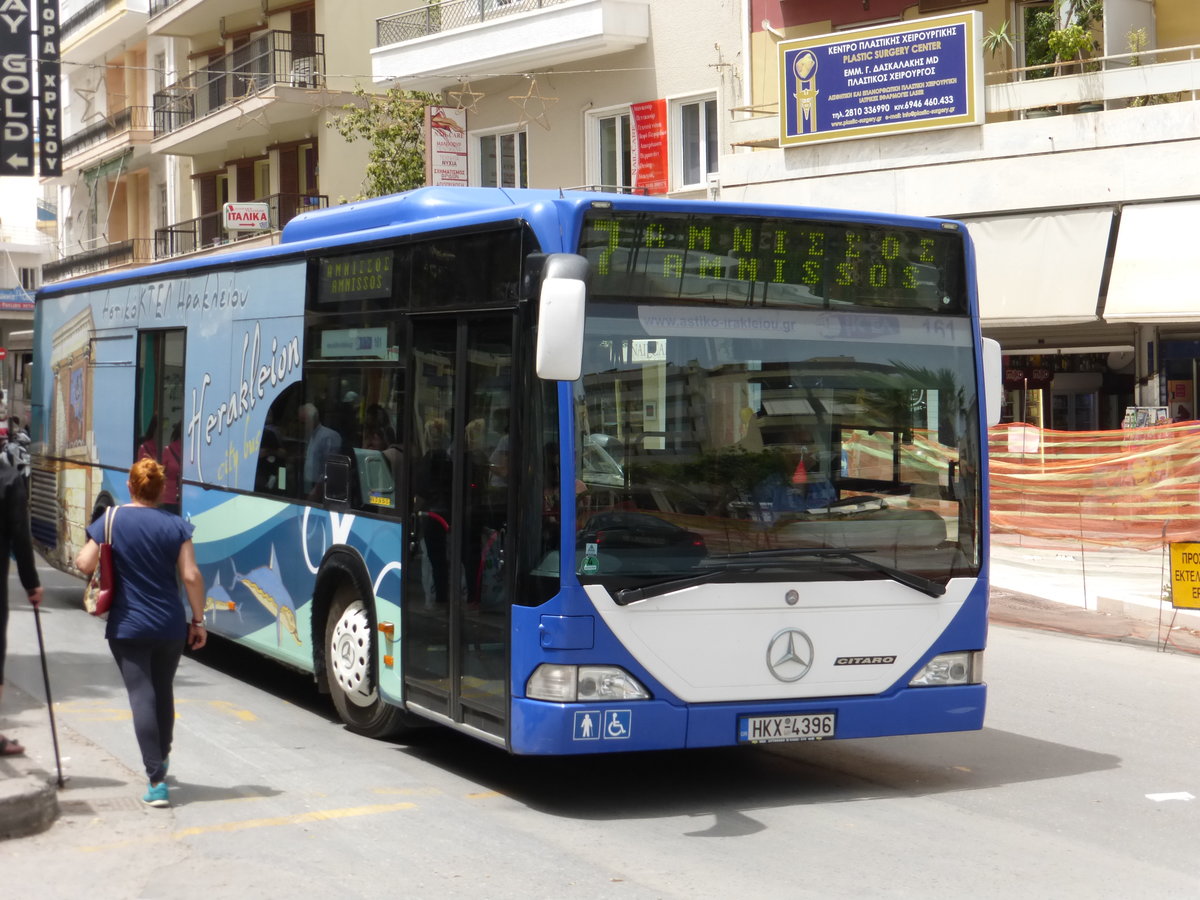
1136	488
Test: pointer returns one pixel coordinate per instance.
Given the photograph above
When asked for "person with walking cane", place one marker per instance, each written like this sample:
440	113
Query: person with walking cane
16	542
147	624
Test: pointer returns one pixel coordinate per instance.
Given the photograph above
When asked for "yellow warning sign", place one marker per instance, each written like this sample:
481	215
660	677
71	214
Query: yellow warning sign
1185	576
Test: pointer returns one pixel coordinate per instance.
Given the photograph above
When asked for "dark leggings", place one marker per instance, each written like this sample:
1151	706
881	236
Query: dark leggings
148	670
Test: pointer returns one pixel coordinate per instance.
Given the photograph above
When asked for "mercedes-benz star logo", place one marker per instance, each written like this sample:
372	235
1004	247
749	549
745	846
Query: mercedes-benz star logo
790	655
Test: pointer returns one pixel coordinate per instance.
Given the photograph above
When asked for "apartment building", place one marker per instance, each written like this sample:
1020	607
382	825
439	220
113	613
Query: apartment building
23	250
173	108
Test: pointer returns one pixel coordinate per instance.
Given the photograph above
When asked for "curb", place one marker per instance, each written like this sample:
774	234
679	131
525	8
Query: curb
28	805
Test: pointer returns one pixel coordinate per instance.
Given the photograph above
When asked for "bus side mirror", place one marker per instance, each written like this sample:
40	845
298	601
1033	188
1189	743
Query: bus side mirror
993	380
561	305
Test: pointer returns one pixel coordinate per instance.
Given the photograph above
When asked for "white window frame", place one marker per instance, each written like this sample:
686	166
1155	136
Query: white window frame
676	136
595	161
479	161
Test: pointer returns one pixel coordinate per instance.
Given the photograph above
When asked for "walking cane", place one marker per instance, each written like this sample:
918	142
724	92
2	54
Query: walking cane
37	619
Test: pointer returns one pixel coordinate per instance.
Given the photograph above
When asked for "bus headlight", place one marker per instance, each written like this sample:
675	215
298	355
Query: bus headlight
965	667
569	684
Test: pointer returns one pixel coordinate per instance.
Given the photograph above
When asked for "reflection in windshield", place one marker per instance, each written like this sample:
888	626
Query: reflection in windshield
703	434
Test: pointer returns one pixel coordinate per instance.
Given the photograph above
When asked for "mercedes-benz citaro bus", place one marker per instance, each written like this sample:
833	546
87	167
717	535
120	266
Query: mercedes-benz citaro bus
571	472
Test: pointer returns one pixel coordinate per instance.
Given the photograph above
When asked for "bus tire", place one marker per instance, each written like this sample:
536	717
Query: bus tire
350	669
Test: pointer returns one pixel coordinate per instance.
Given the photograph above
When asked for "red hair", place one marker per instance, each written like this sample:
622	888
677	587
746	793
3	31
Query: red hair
146	479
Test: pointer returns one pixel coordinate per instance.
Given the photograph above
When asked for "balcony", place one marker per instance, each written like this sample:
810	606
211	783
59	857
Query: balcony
101	25
1109	82
205	232
193	18
119	255
262	84
113	134
194	235
428	48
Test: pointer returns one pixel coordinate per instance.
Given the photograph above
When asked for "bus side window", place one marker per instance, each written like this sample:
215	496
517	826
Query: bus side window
378	461
280	447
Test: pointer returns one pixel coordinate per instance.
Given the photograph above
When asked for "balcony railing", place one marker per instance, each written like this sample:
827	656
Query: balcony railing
438	17
277	57
157	6
110	256
206	231
128	119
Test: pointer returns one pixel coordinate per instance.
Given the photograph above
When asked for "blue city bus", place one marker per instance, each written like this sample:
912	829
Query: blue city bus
571	472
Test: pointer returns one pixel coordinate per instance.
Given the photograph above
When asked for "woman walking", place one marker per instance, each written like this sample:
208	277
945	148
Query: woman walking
147	624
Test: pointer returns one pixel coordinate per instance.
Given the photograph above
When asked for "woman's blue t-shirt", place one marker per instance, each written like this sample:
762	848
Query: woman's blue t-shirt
146	543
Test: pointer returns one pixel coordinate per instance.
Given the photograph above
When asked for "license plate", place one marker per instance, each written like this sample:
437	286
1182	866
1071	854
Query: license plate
769	729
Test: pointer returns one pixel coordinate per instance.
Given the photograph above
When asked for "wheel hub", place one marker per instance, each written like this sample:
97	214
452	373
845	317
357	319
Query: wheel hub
350	655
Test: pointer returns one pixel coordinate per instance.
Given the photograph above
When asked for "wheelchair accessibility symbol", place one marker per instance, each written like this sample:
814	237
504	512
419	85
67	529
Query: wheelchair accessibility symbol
617	724
595	725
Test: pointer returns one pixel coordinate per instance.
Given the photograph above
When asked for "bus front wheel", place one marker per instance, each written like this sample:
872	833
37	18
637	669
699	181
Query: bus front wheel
350	670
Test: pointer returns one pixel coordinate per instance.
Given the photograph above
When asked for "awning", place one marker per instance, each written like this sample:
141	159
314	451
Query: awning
108	168
1042	269
1156	268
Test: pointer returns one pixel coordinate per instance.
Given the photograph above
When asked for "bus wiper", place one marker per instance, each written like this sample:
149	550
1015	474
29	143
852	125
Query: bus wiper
909	579
626	596
757	558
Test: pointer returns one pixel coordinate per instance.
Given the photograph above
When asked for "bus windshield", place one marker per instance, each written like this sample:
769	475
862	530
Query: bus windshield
758	438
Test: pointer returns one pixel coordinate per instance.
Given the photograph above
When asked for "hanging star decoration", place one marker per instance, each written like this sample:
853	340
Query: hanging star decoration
258	117
88	96
534	107
465	98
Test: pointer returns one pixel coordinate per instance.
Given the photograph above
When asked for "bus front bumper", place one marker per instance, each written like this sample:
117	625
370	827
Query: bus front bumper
541	728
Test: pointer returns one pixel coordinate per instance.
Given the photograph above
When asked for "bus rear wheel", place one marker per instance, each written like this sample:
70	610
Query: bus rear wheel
350	670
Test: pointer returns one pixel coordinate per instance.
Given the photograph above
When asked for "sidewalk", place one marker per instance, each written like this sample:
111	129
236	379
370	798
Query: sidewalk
1111	593
28	784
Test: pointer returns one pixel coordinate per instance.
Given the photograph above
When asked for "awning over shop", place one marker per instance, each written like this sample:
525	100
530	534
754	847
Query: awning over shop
1156	267
1042	269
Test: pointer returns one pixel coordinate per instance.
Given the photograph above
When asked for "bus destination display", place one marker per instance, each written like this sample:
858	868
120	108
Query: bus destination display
774	261
361	276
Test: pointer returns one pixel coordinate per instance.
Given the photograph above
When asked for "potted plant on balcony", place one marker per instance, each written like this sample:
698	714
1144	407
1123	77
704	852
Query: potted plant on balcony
1070	44
1137	40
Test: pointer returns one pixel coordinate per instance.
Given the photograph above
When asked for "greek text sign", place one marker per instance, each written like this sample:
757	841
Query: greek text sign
247	216
650	145
16	89
49	84
924	73
1185	576
446	146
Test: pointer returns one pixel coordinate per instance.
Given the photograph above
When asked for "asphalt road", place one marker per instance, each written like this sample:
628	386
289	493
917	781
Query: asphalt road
1081	784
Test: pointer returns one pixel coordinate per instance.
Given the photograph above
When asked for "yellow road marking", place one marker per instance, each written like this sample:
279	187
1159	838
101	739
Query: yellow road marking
99	711
322	815
483	795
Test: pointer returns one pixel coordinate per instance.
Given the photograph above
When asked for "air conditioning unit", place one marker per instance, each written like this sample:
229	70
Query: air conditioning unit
304	72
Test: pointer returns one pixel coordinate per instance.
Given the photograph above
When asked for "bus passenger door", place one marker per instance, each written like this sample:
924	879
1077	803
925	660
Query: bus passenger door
456	597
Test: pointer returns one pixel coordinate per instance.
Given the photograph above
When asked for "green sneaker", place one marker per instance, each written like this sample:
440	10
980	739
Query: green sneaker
156	795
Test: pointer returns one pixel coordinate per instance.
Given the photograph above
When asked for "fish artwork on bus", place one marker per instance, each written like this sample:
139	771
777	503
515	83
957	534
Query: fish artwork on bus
217	599
268	589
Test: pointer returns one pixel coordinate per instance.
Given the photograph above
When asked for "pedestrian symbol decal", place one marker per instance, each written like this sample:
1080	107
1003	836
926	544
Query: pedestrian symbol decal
587	725
606	725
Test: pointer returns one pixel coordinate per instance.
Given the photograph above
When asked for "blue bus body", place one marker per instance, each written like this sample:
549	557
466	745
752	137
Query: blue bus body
757	516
